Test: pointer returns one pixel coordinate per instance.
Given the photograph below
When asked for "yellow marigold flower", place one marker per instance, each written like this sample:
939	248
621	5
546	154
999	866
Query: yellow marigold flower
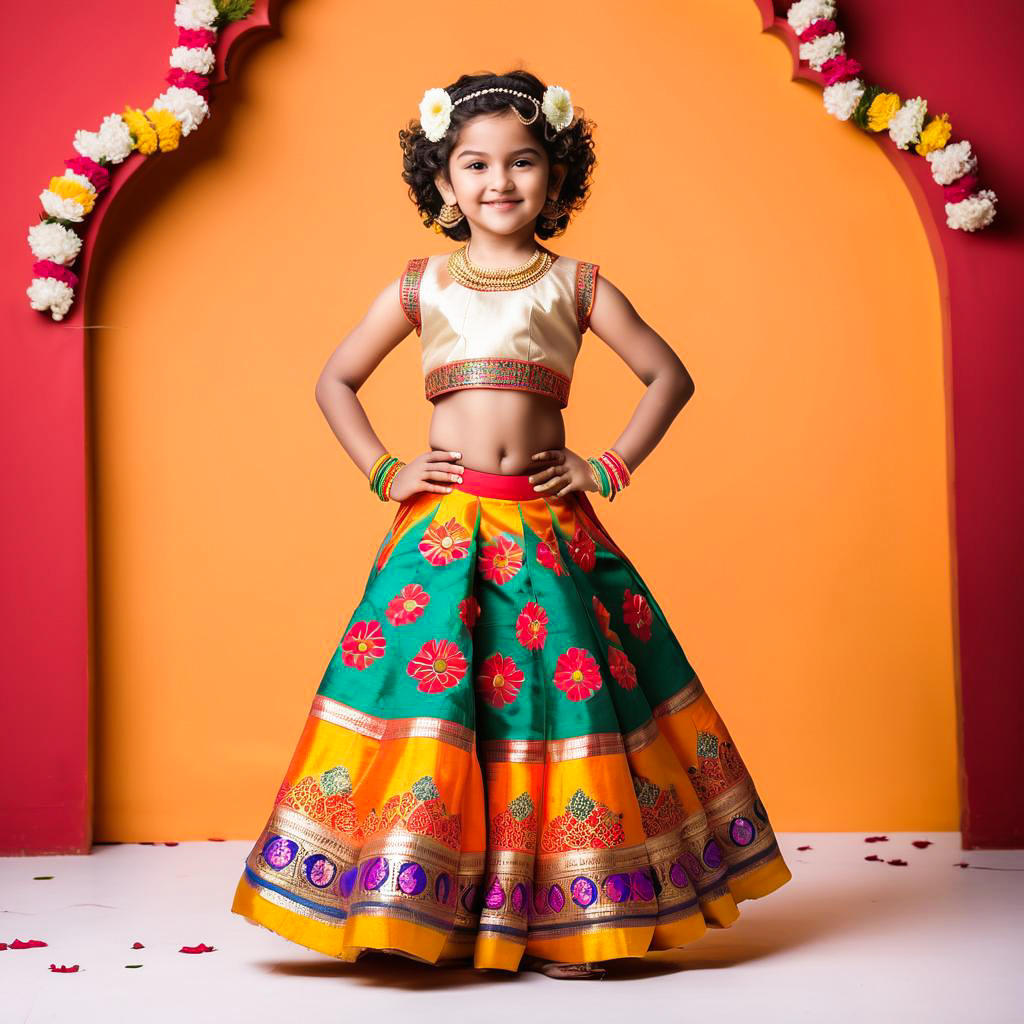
935	134
882	108
68	188
168	128
142	131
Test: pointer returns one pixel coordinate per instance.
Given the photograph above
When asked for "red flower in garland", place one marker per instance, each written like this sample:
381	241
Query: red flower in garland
500	680
577	674
500	561
444	542
469	611
582	549
621	668
407	605
439	665
532	626
636	613
548	556
363	644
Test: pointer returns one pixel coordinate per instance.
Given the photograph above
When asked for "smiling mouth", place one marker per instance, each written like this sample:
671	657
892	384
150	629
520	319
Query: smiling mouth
503	202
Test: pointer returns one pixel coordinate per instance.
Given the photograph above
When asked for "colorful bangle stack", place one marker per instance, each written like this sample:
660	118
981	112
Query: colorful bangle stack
610	473
382	472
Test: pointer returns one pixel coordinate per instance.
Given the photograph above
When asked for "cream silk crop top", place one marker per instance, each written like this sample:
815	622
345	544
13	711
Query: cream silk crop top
525	338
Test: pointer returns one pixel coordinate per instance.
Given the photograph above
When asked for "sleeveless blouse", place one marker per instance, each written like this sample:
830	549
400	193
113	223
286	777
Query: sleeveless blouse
526	339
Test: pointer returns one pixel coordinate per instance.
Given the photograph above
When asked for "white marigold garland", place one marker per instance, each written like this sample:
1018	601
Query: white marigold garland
847	97
177	111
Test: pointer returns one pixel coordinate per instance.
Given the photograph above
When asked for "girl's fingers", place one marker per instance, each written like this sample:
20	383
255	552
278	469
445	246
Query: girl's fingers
435	474
443	456
544	474
435	487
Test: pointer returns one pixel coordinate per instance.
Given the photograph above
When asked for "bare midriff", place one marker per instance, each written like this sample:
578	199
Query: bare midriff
497	430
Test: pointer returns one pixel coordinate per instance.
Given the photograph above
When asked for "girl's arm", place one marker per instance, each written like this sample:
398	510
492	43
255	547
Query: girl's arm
381	329
669	387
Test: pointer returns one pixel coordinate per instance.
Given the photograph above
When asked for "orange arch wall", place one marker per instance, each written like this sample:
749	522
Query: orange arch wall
793	523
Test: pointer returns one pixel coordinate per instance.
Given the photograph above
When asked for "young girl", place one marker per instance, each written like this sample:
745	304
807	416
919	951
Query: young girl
509	760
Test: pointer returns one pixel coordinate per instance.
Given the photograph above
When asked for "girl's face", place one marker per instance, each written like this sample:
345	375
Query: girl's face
499	175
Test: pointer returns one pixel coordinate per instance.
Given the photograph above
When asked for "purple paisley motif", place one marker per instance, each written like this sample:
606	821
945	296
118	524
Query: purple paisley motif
495	899
694	868
375	873
347	881
443	888
319	870
643	887
617	887
583	891
712	853
280	852
518	899
469	898
741	831
540	899
412	879
556	898
677	875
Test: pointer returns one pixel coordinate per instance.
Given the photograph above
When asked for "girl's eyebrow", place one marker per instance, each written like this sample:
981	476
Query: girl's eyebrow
478	152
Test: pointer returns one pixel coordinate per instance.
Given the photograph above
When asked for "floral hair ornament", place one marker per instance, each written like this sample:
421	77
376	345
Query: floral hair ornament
437	105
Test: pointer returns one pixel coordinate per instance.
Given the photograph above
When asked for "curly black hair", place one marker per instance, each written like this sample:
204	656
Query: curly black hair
573	146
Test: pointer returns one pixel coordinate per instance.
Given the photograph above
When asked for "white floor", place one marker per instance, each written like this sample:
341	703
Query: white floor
846	940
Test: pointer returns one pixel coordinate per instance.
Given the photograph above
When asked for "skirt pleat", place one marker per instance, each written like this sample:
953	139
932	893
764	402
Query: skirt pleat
508	753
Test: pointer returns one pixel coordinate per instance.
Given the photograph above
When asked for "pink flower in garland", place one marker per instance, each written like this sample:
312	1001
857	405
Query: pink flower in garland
188	80
636	613
469	611
532	626
582	549
97	174
577	674
439	665
407	605
821	27
621	668
499	680
500	561
840	68
47	268
363	644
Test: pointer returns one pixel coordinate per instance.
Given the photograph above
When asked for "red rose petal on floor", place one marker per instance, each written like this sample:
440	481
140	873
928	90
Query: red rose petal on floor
170	844
147	843
3	945
201	948
921	844
873	856
877	839
216	840
961	864
896	862
31	944
805	847
138	945
62	969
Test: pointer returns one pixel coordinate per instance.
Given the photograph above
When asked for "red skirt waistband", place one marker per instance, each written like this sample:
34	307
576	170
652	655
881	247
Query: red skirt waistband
515	486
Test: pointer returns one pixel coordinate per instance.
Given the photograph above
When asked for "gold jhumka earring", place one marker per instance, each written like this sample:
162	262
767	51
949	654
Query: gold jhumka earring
449	215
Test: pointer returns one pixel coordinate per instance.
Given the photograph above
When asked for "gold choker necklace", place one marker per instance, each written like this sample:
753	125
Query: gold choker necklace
467	273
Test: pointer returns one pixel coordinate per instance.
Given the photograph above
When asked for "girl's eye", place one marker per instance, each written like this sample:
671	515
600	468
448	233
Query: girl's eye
521	160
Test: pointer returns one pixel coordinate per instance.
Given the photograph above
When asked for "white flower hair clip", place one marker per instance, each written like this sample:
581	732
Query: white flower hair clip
436	108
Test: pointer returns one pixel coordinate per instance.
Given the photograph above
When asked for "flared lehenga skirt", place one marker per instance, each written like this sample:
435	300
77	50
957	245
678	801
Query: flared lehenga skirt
509	752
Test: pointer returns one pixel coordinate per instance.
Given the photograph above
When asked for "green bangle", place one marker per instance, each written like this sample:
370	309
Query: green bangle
378	477
605	486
